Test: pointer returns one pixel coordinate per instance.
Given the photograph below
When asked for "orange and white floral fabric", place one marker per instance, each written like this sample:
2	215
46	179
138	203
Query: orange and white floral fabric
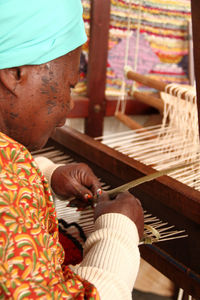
31	256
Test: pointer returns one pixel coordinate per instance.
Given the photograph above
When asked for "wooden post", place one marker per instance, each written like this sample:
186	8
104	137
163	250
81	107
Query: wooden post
96	78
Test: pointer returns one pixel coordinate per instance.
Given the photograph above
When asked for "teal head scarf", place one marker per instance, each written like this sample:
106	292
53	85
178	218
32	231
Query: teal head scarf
33	32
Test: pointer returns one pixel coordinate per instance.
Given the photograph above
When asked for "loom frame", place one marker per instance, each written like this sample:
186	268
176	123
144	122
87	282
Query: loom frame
96	105
175	196
165	197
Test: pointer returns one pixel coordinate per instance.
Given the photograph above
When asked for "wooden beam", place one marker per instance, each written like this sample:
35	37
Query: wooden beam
133	107
96	78
81	107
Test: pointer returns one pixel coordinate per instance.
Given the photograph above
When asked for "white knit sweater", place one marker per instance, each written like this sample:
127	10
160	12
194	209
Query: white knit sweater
111	254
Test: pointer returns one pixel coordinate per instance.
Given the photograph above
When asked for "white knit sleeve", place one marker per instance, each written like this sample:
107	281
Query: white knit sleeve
111	254
111	257
47	167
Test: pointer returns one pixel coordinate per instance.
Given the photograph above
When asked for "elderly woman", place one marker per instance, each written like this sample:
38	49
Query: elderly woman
40	46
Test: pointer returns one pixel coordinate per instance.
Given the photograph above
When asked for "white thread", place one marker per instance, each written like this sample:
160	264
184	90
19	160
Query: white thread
121	103
175	141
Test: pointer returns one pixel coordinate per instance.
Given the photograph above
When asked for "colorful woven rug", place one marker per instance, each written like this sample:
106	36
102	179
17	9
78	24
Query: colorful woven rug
163	40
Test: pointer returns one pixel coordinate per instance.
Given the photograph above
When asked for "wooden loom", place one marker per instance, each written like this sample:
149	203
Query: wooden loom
95	105
169	200
166	198
152	99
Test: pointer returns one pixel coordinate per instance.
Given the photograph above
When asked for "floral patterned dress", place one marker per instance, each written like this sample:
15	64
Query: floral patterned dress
31	256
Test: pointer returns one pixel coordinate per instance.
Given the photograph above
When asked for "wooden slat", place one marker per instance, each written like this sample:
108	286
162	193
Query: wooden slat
96	77
146	80
81	107
133	107
177	272
150	99
153	83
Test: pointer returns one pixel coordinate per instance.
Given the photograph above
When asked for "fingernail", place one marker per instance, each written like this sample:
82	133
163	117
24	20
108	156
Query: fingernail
99	192
87	197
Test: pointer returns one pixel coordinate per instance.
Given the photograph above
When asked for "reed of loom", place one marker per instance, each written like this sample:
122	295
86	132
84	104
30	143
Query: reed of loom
154	229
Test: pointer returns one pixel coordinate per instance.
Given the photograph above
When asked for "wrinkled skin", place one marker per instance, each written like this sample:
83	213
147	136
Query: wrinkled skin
34	100
75	179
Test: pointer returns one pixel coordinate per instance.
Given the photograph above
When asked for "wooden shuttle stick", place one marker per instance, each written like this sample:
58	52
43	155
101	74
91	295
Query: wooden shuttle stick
145	80
149	99
136	182
128	121
133	124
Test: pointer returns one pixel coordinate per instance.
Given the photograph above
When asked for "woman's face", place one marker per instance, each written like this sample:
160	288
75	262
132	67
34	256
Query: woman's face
42	100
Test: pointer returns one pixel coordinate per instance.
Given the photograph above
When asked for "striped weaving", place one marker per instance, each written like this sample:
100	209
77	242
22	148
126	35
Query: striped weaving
163	33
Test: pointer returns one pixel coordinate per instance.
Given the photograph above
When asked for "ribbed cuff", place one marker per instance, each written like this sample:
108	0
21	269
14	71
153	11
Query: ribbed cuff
111	256
47	167
118	222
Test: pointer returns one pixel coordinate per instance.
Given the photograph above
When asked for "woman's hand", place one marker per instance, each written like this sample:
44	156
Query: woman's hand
78	180
126	204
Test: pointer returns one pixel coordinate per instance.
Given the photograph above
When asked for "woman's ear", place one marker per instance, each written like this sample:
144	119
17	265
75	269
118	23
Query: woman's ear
13	77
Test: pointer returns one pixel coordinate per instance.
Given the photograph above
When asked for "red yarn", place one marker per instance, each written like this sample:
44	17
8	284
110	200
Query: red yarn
73	253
